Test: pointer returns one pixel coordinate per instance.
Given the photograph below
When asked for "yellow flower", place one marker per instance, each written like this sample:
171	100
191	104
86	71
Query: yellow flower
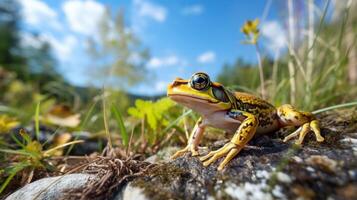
250	29
7	123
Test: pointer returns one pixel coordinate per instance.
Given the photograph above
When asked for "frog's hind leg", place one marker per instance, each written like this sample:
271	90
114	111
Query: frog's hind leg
289	116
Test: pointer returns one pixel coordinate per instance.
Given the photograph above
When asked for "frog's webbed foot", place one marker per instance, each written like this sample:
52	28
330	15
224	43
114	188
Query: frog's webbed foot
289	116
229	150
188	148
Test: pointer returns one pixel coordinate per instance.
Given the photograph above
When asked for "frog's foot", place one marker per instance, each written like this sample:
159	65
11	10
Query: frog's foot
188	148
303	130
229	150
289	116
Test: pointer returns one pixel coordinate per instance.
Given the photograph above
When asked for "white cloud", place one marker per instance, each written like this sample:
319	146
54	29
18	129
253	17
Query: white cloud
30	40
63	48
37	13
156	62
193	10
150	10
275	35
206	57
83	16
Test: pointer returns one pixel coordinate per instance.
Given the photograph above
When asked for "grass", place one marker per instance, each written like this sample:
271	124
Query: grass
120	123
37	120
31	154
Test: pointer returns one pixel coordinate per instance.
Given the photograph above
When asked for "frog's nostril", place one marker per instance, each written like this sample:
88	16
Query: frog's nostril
178	78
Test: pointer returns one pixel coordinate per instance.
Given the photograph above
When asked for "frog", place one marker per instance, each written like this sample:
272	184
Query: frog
242	114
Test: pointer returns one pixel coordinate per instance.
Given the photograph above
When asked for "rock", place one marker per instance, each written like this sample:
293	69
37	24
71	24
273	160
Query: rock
162	155
51	188
324	162
265	169
130	192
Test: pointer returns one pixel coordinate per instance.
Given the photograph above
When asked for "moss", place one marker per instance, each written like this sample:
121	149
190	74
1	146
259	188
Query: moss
157	181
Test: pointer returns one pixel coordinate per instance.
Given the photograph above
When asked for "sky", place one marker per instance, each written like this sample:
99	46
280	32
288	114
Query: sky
183	36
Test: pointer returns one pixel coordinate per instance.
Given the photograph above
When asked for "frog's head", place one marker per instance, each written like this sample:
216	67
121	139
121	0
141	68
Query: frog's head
200	94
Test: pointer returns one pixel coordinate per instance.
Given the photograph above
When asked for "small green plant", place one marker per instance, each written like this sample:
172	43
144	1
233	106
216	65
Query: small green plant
30	155
154	114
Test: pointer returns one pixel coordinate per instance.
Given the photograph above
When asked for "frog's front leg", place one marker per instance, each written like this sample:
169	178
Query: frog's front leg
193	142
245	132
289	116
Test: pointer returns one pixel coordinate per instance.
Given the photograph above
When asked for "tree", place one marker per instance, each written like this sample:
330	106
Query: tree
10	57
117	53
41	62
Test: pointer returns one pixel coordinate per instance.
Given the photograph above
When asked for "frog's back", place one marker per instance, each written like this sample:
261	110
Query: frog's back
249	101
265	111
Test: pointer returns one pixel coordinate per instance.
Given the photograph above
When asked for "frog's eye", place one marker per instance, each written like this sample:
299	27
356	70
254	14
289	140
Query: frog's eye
219	93
200	81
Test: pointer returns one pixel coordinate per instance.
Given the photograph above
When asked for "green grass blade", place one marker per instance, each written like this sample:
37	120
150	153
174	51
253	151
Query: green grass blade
18	152
89	113
119	119
344	105
15	169
322	19
37	121
83	124
17	141
173	123
7	109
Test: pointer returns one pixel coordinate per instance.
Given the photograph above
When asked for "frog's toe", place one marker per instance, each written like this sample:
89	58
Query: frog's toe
314	125
215	155
229	157
292	135
180	153
194	152
210	154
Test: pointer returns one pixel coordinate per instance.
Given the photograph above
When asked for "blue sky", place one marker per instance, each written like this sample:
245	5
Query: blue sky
183	36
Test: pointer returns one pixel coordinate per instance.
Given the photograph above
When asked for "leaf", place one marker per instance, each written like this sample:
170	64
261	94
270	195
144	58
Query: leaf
69	121
134	112
62	115
120	122
152	121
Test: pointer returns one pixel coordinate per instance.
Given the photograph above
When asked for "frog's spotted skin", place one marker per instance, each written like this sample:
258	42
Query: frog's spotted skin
237	112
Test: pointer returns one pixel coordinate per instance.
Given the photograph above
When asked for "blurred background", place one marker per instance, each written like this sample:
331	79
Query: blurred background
94	72
68	55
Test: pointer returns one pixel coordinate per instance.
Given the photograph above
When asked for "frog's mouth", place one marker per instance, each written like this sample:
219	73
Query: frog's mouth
188	99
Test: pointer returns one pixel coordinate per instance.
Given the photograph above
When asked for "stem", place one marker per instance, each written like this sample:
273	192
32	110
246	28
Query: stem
261	72
105	120
275	72
310	54
354	103
291	44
